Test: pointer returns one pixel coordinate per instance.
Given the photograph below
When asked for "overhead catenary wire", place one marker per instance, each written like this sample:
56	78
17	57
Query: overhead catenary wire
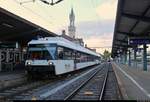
35	13
45	18
46	11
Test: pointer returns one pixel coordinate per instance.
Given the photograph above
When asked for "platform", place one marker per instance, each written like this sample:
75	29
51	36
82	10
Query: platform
8	79
11	75
134	83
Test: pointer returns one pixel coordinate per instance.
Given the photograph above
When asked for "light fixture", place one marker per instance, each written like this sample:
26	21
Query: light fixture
52	2
7	25
44	1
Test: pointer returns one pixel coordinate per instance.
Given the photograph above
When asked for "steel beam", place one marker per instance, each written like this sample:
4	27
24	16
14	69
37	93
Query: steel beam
129	34
124	33
140	18
121	41
120	45
17	34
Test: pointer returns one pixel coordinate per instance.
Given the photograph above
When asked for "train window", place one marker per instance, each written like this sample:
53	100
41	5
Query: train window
78	55
42	51
67	54
52	52
60	52
73	55
38	55
48	56
82	57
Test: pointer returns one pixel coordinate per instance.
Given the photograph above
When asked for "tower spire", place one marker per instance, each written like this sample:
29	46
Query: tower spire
71	28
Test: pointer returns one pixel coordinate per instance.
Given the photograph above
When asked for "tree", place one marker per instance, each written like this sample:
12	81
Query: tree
106	55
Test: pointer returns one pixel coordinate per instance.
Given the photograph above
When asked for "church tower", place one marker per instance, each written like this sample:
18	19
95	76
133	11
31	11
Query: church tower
71	28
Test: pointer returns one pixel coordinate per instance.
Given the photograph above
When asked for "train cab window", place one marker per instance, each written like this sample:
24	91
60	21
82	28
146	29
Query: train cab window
42	52
39	55
52	52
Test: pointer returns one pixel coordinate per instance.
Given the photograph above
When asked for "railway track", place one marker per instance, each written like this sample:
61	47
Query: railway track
111	90
101	84
94	88
26	89
89	89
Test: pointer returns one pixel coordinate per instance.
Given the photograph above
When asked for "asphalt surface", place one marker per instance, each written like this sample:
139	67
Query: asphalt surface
135	82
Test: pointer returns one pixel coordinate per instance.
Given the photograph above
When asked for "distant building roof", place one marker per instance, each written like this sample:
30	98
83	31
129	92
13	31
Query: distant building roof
75	40
67	37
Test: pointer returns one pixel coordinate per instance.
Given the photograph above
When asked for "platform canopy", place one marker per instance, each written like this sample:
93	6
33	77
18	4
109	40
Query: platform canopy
15	28
132	20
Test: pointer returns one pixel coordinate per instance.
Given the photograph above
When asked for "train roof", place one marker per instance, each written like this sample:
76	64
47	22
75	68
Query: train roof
63	42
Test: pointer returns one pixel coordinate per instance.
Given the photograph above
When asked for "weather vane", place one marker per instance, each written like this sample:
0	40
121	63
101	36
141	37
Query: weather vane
48	2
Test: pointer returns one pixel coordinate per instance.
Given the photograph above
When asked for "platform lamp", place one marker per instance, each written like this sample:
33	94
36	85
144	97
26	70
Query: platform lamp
52	2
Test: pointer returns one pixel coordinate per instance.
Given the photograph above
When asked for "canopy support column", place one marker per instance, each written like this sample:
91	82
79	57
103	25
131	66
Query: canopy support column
144	57
129	61
135	61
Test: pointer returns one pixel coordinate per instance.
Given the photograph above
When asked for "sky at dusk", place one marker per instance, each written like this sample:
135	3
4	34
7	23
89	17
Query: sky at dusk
94	19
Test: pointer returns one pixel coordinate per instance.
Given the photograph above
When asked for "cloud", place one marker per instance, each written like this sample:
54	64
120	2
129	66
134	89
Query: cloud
94	28
107	10
104	41
95	33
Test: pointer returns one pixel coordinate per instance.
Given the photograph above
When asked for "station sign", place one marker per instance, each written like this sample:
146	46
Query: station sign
139	41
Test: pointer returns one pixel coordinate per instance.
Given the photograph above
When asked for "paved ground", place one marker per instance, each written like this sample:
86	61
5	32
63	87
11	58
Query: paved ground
139	66
135	82
11	75
8	79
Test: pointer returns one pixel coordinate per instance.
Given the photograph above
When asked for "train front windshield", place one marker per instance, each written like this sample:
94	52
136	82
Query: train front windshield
42	52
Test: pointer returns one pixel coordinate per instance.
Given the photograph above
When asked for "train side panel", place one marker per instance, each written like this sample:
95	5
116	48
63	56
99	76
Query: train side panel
63	66
85	64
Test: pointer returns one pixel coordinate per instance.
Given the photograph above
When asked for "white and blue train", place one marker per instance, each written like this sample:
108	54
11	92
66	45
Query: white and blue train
56	55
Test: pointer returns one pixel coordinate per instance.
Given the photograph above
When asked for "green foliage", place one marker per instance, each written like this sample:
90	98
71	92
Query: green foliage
106	55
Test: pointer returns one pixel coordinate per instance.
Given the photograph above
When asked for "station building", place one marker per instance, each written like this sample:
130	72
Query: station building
15	33
72	31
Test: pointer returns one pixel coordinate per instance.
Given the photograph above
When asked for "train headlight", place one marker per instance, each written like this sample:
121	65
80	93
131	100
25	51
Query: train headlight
50	63
28	63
